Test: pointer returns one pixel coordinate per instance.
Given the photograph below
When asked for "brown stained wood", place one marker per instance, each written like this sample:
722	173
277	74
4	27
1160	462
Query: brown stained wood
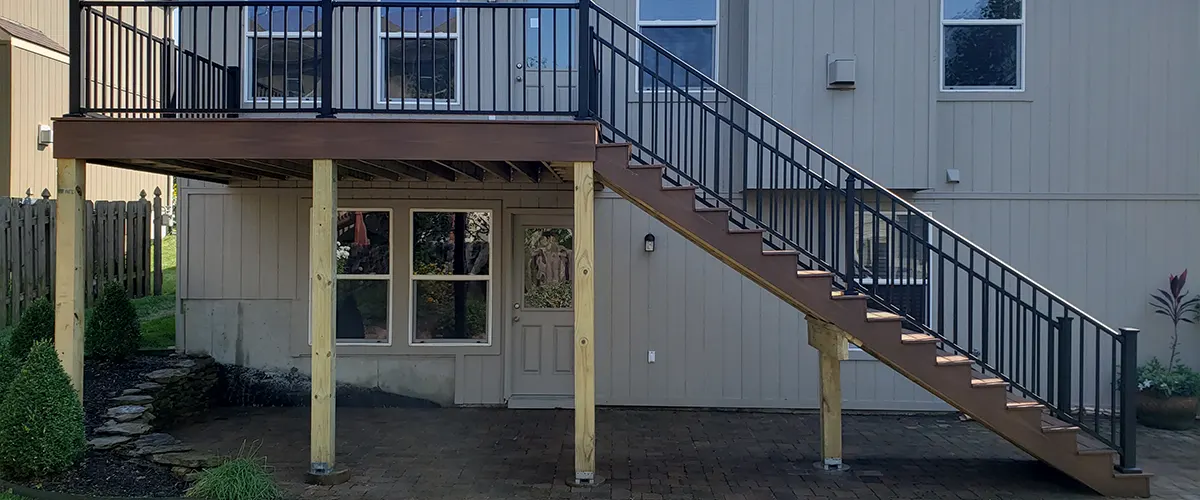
373	170
463	168
881	339
343	139
400	168
431	168
499	169
164	169
531	170
233	169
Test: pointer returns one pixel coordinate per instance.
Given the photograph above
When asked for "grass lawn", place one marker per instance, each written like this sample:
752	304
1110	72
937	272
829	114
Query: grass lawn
6	495
156	313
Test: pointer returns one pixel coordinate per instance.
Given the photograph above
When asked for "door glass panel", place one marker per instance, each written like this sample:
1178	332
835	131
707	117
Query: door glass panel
548	263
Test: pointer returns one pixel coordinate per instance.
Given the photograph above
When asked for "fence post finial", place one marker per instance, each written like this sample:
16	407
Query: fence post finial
157	191
142	194
45	193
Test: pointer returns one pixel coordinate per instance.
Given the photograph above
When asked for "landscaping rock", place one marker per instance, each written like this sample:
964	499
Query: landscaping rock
126	429
187	474
127	417
188	459
157	444
166	375
117	411
108	442
149	386
131	392
134	399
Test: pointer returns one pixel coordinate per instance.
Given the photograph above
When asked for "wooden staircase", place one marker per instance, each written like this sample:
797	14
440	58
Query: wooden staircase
917	356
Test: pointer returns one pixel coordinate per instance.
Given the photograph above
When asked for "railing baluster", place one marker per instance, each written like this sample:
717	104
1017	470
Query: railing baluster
851	286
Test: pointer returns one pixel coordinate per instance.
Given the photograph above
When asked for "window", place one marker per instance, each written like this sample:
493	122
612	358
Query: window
451	276
983	44
363	289
893	259
550	37
688	30
419	53
282	53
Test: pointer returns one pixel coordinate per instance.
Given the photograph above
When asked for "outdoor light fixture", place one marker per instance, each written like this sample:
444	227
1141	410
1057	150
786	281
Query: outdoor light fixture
649	242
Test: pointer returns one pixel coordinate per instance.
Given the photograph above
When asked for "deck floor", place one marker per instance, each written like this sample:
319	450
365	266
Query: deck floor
464	454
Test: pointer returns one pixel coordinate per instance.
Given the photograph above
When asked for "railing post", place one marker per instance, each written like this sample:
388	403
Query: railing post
233	90
1129	390
1063	375
75	70
326	59
584	111
851	275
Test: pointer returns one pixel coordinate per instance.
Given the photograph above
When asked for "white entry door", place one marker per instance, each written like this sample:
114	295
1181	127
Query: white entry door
542	331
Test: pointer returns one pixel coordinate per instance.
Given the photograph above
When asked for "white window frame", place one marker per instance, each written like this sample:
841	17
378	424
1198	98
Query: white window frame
1021	52
391	306
716	26
413	278
248	82
380	70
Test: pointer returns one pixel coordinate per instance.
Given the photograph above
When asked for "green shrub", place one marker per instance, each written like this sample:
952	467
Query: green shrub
1177	381
41	419
36	324
8	371
244	477
113	330
9	495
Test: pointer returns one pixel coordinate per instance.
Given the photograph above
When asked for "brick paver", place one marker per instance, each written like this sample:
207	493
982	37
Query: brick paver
473	453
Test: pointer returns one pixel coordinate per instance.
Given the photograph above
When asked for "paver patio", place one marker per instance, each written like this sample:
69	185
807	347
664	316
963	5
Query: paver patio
475	453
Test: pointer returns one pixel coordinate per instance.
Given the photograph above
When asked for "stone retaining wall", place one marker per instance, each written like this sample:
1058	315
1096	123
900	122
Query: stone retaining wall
166	397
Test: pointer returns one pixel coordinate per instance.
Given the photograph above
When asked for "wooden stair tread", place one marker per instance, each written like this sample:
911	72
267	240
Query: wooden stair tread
1024	405
780	252
812	273
882	316
953	360
988	382
917	338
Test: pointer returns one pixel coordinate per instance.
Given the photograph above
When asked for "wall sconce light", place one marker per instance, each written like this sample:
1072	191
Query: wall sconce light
649	243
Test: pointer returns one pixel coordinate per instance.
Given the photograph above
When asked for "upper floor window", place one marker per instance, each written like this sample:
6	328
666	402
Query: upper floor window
419	52
688	30
283	52
983	44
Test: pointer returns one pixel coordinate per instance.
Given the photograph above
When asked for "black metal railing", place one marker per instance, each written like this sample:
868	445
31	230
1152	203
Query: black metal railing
327	57
872	240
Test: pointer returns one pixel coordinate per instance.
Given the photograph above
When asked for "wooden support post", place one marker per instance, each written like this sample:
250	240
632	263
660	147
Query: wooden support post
833	346
585	322
322	309
69	280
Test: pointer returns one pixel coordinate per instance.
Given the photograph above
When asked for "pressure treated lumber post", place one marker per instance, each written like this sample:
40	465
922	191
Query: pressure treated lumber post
69	278
322	310
833	347
585	321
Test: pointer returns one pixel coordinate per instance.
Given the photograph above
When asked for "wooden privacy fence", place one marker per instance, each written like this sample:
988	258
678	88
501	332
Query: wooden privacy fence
118	249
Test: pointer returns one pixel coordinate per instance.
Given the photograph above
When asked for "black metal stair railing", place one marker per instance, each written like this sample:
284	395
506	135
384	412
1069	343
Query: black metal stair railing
872	240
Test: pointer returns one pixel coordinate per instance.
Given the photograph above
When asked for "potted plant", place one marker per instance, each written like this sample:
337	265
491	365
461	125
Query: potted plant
1167	395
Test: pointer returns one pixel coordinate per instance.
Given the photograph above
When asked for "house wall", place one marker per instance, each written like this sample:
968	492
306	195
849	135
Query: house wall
719	339
1085	182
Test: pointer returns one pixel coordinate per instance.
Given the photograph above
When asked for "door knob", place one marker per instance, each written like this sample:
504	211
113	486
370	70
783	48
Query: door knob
516	319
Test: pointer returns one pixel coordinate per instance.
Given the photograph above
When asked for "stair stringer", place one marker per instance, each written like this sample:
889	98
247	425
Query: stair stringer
880	337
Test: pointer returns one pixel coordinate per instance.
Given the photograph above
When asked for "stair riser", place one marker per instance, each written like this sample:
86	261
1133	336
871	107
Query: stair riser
1030	417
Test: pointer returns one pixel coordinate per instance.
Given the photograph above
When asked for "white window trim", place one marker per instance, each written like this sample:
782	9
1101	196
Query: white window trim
381	97
248	83
1021	51
715	24
363	277
412	281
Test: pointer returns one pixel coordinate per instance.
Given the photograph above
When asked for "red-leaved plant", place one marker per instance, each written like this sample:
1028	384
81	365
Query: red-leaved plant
1175	304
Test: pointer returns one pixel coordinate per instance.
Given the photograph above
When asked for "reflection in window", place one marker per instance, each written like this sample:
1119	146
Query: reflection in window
363	288
687	29
419	48
548	265
893	258
983	44
283	52
451	276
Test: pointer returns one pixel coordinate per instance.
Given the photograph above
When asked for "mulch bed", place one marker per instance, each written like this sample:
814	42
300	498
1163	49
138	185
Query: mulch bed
103	473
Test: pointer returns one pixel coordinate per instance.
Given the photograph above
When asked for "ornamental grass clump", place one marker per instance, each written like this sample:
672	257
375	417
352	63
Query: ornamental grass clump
242	477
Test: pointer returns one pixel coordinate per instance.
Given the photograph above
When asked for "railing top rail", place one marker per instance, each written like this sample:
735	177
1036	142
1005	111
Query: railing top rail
867	182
